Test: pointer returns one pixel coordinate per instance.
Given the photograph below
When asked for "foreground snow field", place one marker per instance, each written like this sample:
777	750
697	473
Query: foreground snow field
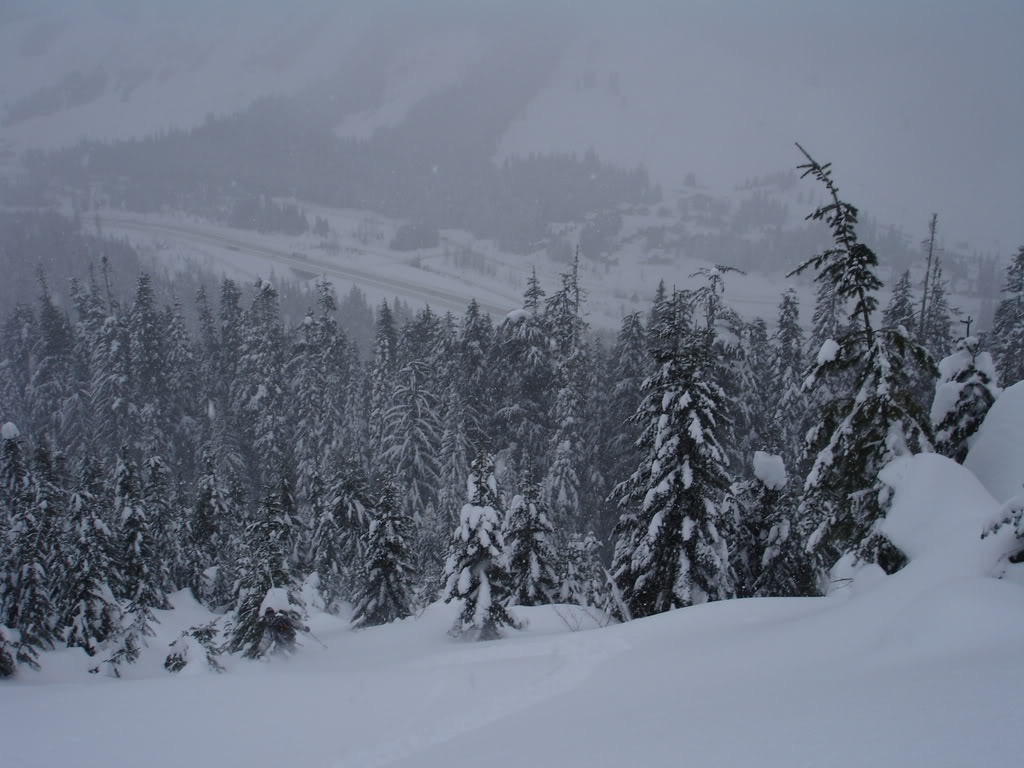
922	668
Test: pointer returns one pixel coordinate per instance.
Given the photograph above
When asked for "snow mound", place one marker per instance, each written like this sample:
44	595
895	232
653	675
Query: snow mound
939	511
829	350
9	431
277	598
997	456
770	470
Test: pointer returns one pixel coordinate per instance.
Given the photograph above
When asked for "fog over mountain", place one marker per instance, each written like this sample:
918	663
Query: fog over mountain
673	349
918	103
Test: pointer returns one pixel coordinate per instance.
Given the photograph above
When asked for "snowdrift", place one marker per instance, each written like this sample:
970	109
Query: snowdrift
997	450
918	668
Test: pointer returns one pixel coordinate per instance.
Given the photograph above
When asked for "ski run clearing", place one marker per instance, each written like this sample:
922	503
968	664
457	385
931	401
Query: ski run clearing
922	668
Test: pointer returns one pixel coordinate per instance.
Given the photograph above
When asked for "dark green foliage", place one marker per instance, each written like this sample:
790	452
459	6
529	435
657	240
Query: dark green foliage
532	565
93	615
1008	328
963	397
262	566
184	648
34	578
521	395
386	593
789	419
618	455
208	528
768	548
339	537
150	375
141	580
900	310
786	569
475	571
53	369
412	438
670	550
869	415
381	379
7	653
584	580
139	573
258	390
569	450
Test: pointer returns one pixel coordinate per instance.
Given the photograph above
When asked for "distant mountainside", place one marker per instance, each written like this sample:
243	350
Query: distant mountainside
713	93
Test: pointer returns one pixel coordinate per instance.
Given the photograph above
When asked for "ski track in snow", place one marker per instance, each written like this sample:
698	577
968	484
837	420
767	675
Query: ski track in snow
571	661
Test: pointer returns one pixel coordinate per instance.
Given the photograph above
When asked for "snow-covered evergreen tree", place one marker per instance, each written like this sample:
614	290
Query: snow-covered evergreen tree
1010	516
164	523
965	391
789	420
521	396
584	580
829	317
8	644
900	310
386	592
209	531
870	415
318	380
182	403
471	372
411	439
53	379
475	571
16	361
262	567
110	368
568	450
937	331
381	379
25	591
339	537
455	453
616	445
670	551
933	321
768	547
1008	327
139	580
258	390
786	568
532	562
150	377
93	615
184	650
754	403
224	417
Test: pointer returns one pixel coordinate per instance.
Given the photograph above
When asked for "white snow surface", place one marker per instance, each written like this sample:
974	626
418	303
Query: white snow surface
9	431
829	350
770	470
921	668
996	454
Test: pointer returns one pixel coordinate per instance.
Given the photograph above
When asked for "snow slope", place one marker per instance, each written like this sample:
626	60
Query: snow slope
995	455
917	669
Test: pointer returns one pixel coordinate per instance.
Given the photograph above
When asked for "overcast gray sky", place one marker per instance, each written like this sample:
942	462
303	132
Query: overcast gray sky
918	103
